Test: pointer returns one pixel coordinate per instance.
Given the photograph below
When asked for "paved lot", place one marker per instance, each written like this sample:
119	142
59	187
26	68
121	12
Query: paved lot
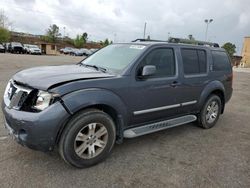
185	156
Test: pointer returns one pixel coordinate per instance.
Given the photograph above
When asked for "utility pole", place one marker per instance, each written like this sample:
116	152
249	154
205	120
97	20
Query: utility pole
207	21
145	27
114	38
64	32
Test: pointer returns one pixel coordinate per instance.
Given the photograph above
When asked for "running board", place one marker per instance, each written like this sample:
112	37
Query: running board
153	127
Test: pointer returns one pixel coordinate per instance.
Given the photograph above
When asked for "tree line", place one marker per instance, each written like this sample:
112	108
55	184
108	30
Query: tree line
53	35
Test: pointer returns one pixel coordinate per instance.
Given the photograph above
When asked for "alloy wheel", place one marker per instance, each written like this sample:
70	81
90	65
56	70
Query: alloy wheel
91	140
212	111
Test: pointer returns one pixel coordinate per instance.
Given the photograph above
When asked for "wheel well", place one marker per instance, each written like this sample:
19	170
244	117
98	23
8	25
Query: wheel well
105	108
220	94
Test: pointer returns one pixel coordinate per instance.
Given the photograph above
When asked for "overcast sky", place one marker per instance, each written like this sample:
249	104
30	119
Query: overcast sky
123	20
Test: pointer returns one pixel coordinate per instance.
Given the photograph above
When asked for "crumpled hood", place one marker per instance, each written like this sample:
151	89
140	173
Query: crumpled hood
47	76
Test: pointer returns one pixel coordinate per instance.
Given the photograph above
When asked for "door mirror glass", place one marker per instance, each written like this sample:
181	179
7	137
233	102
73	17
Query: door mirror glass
148	70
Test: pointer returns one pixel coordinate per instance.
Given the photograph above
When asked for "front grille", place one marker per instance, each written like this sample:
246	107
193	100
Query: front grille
11	91
15	95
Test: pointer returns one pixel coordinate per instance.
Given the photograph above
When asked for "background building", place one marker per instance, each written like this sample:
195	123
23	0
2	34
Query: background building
245	62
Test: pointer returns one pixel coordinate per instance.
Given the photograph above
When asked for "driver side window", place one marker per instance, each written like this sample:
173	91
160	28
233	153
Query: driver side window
164	61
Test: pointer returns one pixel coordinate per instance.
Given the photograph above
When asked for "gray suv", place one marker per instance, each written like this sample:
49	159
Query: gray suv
121	91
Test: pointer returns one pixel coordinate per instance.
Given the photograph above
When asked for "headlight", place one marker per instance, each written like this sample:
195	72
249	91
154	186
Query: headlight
43	100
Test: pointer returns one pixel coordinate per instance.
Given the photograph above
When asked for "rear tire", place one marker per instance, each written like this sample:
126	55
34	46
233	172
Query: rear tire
87	139
210	112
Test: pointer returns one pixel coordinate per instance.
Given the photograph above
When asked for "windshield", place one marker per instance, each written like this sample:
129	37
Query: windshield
114	57
16	44
33	46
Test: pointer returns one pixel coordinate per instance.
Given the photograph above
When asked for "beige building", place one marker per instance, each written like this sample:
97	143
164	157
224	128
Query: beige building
245	62
49	48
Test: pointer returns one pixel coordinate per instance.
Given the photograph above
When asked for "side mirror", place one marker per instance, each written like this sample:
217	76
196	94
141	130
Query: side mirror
148	70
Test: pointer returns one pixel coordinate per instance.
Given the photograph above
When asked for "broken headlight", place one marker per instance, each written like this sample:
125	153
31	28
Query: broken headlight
44	99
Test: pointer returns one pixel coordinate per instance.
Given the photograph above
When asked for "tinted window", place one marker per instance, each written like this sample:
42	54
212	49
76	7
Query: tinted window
220	61
202	61
194	61
164	61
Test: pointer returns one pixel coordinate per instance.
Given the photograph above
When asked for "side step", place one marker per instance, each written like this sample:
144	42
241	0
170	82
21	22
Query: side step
153	127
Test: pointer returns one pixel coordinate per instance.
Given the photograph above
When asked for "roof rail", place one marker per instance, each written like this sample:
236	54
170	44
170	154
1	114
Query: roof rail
194	42
148	40
181	41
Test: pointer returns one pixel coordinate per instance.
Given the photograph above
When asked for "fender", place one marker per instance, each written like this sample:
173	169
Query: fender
209	88
80	99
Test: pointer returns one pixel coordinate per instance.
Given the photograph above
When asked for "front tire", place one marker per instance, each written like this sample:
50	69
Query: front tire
210	112
87	139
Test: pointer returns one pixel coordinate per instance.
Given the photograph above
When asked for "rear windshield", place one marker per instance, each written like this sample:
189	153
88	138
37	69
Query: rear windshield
221	61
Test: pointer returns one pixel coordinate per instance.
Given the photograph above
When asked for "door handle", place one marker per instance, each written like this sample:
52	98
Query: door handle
174	84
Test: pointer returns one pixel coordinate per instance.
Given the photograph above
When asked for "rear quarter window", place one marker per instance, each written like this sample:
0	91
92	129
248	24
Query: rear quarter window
221	61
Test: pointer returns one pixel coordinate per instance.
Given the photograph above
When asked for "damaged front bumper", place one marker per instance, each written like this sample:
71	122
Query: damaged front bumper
37	131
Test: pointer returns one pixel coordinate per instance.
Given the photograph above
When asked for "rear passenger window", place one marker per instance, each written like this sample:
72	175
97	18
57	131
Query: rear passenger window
220	61
194	61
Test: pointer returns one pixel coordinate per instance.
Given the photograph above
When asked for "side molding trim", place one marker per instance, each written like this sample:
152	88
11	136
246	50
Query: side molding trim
164	108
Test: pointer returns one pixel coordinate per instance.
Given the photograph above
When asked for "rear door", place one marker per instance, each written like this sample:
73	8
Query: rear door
194	78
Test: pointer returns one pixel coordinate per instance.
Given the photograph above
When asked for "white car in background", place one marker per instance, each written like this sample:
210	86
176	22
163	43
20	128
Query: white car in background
34	49
93	50
25	47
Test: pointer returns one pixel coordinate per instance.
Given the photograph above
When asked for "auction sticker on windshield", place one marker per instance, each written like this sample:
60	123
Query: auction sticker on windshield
139	47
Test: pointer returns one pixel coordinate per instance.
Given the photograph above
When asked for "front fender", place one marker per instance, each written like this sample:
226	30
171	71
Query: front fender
81	99
212	86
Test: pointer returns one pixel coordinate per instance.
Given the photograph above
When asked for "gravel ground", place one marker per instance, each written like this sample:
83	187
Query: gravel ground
185	156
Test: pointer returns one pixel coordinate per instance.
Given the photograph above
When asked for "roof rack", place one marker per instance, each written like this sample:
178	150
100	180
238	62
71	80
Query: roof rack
194	42
148	40
181	41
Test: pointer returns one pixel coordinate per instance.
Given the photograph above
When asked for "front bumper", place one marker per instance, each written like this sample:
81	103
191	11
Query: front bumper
37	131
36	52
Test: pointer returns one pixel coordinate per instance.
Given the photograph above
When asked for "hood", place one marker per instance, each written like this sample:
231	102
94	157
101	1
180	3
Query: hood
45	77
34	48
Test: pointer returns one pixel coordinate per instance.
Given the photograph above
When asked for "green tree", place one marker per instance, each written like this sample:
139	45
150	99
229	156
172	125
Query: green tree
190	37
230	48
106	42
4	35
53	33
85	37
79	41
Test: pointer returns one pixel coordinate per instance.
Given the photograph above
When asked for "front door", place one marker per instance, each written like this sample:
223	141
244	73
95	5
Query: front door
155	97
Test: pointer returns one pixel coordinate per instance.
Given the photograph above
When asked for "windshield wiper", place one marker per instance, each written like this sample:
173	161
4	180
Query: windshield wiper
95	67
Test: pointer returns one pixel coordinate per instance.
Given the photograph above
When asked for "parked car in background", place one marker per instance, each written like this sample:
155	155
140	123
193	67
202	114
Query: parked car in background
86	51
66	50
25	47
76	52
81	52
34	49
61	50
2	49
16	47
6	46
93	50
